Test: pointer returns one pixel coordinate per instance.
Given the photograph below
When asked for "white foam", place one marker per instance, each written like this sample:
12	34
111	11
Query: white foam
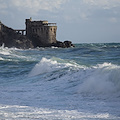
45	65
14	54
101	79
54	47
4	51
48	65
31	113
1	58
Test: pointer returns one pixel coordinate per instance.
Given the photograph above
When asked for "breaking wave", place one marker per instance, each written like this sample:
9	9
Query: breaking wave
55	83
50	65
100	79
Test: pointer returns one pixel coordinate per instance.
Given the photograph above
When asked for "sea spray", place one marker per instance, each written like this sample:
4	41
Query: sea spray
54	83
48	65
100	79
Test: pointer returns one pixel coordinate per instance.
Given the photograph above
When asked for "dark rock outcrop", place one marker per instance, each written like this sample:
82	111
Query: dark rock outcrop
65	44
68	44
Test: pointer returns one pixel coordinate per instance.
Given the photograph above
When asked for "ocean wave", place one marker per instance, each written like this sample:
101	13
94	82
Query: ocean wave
100	79
56	83
14	54
49	65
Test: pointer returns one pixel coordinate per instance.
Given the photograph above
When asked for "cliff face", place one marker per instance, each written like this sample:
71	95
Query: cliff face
11	38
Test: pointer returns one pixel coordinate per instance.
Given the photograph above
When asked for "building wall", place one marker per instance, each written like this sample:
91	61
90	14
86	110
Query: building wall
0	26
44	32
28	27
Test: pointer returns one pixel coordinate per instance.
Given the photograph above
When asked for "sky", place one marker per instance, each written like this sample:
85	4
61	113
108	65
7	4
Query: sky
80	21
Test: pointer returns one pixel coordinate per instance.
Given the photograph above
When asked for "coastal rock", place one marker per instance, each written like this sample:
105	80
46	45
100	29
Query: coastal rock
59	44
38	34
68	44
65	44
10	38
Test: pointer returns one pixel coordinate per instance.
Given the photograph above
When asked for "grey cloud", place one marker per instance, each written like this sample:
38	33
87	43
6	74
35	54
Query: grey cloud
105	4
34	6
31	6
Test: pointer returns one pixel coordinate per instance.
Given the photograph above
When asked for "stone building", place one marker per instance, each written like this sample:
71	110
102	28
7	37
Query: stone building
1	26
41	32
36	34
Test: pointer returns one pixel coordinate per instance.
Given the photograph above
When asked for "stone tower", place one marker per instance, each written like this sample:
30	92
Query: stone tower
0	26
41	32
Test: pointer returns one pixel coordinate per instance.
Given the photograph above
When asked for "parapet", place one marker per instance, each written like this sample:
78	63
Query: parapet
41	22
45	22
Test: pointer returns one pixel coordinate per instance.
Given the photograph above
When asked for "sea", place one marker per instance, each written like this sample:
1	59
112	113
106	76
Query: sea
78	83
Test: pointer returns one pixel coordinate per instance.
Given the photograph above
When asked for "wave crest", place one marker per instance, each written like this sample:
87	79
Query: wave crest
100	79
50	65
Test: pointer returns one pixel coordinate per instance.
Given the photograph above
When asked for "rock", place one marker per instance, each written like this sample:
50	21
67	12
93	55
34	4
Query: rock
68	44
10	38
59	44
65	44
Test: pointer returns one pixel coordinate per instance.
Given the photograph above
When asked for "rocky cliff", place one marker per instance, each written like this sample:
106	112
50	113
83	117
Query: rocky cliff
11	38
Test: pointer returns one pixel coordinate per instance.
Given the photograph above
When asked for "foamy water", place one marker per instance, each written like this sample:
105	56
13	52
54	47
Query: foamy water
81	83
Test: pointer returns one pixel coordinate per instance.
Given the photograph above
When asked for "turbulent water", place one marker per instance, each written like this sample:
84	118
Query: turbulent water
81	83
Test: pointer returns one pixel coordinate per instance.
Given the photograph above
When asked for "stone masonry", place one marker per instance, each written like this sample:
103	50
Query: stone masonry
36	34
41	32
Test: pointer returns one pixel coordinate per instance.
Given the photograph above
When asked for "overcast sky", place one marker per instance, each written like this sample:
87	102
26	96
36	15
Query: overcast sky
81	21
